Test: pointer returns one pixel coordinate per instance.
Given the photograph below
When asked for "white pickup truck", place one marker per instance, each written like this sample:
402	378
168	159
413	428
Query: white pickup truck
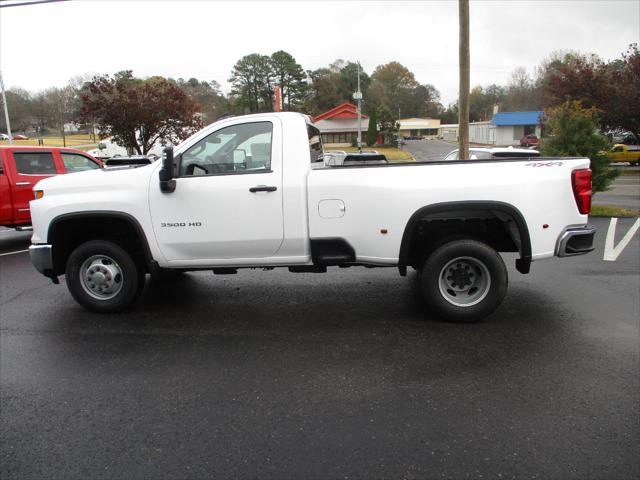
253	191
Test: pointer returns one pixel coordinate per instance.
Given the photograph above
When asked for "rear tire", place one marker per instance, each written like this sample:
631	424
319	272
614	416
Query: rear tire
103	277
463	280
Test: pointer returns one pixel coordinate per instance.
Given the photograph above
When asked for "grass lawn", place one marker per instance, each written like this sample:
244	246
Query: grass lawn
393	154
607	211
628	172
72	141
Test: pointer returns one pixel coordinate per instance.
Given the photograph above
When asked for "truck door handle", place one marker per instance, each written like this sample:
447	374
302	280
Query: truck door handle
22	184
262	188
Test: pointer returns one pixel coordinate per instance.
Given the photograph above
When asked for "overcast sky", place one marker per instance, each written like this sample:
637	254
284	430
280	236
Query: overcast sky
45	45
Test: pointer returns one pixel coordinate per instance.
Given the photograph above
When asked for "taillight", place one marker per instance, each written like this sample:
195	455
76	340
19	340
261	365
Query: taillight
581	183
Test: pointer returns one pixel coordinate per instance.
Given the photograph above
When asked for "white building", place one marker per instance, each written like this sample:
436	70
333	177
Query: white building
504	129
419	127
512	126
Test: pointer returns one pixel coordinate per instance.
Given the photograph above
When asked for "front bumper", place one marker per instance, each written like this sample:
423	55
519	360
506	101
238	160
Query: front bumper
576	240
42	259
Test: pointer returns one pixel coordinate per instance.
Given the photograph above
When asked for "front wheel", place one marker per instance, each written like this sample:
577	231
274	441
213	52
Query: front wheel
103	277
463	280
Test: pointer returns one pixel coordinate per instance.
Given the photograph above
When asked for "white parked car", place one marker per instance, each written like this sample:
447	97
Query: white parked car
242	193
107	148
4	136
482	153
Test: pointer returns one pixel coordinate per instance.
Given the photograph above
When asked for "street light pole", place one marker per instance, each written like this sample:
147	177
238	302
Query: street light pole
358	97
6	111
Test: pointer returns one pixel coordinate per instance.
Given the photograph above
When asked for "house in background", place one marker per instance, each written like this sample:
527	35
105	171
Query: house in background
339	126
419	127
512	126
504	129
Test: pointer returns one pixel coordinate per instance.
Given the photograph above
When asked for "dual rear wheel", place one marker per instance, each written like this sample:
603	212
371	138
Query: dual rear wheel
463	280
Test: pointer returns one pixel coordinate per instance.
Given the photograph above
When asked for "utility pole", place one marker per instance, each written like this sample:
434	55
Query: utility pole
6	111
463	97
358	98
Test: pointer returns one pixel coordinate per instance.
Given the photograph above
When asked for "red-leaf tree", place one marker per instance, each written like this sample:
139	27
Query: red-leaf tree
613	88
137	113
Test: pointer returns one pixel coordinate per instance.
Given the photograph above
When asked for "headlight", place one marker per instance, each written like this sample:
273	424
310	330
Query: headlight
38	194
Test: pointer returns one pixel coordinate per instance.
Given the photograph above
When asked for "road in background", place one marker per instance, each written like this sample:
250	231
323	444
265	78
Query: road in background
428	150
343	374
624	193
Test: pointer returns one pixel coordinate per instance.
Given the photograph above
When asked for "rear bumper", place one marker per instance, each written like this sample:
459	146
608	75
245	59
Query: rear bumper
576	240
42	259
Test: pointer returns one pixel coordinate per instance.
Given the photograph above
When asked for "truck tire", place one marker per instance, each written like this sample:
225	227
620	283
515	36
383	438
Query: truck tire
463	280
103	277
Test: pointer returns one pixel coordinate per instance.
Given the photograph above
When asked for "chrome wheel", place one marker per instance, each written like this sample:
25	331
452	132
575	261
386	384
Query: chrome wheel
101	277
464	281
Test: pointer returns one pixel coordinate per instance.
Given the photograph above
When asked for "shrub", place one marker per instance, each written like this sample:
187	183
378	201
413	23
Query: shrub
571	131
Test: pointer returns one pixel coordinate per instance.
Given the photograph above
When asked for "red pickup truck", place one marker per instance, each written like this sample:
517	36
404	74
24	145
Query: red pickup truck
22	167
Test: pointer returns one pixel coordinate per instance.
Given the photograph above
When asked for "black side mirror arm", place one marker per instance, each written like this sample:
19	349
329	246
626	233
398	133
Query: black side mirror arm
167	182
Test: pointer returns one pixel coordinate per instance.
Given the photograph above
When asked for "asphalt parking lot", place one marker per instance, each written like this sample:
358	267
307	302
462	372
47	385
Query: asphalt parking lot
337	375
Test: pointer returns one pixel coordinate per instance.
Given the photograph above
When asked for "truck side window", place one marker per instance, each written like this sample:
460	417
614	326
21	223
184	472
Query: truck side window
74	162
315	143
35	163
242	148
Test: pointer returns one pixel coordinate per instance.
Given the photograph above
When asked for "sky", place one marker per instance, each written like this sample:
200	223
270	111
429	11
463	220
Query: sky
46	44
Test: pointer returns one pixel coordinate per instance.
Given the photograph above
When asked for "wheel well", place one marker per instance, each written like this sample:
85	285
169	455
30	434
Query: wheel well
69	231
498	225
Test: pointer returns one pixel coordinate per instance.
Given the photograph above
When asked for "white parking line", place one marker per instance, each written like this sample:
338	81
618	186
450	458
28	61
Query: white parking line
13	253
611	252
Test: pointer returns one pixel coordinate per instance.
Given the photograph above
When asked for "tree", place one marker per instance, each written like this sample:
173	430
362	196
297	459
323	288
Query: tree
324	91
575	76
138	113
482	100
388	125
292	79
427	101
393	85
571	131
19	104
522	92
208	95
372	131
621	108
450	114
251	81
347	81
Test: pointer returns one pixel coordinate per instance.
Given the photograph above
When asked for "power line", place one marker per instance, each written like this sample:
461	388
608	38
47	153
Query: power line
25	3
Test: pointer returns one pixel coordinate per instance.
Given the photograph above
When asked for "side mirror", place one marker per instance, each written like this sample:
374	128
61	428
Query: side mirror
239	156
167	183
